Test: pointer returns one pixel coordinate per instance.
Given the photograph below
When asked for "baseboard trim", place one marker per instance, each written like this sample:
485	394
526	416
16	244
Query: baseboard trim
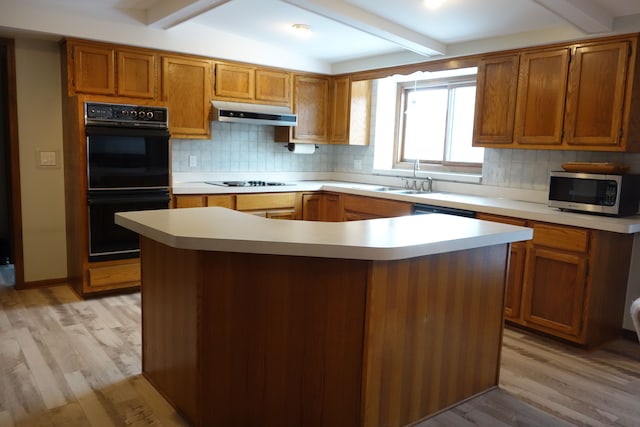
629	335
42	283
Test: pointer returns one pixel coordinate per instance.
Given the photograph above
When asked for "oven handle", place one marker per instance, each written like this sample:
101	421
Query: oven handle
125	131
143	198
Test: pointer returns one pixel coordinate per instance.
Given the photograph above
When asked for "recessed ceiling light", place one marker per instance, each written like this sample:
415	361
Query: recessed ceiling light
303	30
433	4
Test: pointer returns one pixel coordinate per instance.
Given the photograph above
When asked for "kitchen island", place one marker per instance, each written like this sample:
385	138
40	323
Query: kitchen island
250	321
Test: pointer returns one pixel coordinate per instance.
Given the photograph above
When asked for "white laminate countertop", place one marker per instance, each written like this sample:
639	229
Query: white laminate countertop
491	205
225	230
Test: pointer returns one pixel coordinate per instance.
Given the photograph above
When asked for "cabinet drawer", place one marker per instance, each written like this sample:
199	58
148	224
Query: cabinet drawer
247	202
223	201
114	276
561	237
502	219
362	207
189	201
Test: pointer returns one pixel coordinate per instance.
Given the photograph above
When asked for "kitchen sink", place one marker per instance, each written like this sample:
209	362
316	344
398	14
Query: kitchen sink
387	189
398	190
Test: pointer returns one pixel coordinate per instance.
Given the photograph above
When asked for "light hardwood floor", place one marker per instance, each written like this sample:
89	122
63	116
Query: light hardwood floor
69	362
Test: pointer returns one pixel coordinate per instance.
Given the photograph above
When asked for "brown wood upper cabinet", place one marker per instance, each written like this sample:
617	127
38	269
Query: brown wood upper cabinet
330	111
598	102
187	90
250	84
311	96
542	86
102	69
495	101
350	111
574	97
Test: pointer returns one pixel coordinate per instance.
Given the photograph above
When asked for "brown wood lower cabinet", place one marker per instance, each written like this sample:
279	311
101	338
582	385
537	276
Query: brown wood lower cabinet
568	282
268	205
112	275
322	207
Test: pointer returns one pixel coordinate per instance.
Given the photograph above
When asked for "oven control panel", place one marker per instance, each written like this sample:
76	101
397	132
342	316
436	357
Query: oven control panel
99	113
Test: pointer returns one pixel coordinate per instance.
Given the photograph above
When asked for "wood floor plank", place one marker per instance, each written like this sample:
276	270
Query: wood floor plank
91	405
43	375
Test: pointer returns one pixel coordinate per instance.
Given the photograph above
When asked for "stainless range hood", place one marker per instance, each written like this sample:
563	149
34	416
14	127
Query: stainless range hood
257	114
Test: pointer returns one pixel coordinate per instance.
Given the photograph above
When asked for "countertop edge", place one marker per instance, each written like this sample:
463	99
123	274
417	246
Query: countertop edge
364	241
489	205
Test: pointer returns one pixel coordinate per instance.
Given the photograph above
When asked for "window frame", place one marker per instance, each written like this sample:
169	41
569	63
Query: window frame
402	87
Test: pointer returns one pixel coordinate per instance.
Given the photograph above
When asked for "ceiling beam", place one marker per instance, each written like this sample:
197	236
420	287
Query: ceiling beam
165	14
354	17
586	15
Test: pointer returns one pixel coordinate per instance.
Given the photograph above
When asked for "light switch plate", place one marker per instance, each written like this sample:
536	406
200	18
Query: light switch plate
47	158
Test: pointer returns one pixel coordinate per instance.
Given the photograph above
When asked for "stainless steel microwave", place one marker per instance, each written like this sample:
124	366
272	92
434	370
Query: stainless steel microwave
615	195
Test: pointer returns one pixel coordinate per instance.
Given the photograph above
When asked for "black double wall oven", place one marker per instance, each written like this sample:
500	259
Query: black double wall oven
127	170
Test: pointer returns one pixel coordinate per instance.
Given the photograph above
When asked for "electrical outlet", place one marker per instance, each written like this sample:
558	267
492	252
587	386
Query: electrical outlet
357	164
193	161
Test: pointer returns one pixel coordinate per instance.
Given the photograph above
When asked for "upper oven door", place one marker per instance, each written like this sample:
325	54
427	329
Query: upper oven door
127	158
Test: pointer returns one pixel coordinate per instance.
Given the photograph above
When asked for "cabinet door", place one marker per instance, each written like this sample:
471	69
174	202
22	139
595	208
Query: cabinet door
517	259
333	210
513	297
312	207
186	88
235	82
273	87
322	207
340	109
360	112
311	104
136	74
554	290
541	94
495	100
94	69
596	94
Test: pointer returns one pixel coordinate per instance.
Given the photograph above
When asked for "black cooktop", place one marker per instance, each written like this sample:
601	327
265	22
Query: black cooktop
246	183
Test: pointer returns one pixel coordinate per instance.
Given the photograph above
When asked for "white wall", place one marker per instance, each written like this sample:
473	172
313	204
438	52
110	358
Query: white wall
40	127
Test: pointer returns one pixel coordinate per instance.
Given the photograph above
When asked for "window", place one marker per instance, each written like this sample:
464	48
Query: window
435	123
427	116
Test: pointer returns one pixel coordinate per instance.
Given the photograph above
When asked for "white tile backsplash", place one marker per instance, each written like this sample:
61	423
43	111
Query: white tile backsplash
529	169
245	148
250	148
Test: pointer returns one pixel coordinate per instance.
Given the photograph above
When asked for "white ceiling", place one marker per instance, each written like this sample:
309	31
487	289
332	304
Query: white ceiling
342	31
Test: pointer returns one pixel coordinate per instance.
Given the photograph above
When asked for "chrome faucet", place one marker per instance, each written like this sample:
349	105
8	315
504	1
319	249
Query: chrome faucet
429	182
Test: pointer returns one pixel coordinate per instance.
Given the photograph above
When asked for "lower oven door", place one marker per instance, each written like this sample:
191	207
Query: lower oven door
107	240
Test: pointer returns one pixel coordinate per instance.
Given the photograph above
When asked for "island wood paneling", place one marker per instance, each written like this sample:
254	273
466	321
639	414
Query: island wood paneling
253	339
282	340
169	323
433	333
